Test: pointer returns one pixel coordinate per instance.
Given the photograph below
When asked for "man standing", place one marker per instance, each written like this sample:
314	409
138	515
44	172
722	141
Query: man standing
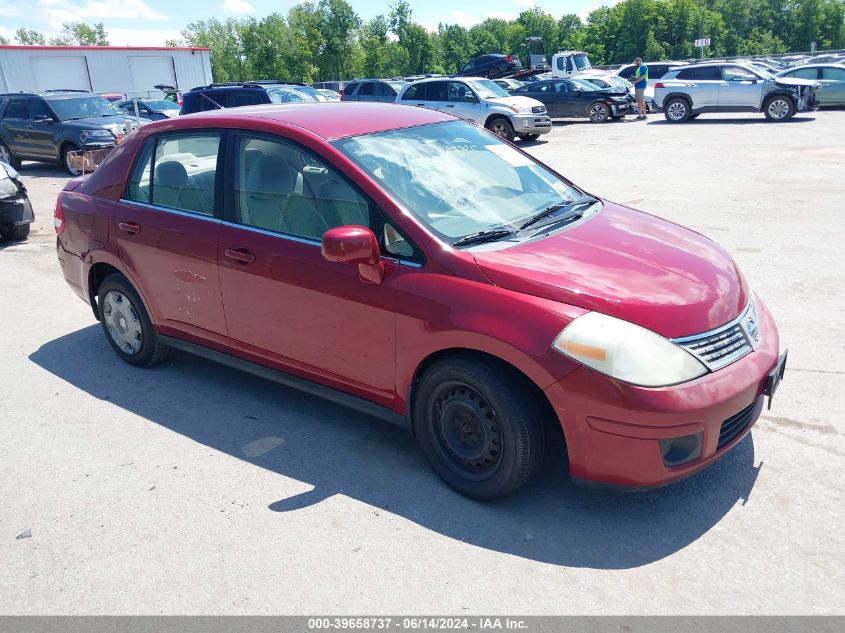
640	81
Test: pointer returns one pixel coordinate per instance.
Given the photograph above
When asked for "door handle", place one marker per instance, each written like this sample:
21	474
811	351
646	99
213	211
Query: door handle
450	106
242	256
129	227
422	105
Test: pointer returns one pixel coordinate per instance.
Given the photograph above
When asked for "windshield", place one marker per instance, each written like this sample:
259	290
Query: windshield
456	178
582	62
292	94
84	107
764	72
487	89
397	85
162	104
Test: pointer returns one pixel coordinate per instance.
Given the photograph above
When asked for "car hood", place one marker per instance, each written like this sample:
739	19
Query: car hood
113	123
794	81
629	265
514	101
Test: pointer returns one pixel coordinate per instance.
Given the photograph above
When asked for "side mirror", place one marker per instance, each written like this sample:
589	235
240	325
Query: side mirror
471	99
355	245
577	92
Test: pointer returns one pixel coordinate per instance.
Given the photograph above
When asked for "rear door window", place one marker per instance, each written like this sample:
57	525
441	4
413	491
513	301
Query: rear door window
177	172
366	90
18	109
239	98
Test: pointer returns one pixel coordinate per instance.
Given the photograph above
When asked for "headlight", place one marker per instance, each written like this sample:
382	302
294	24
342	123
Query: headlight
97	133
7	185
627	351
521	109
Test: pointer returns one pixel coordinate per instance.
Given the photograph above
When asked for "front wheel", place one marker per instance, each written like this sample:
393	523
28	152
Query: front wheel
779	108
126	323
502	128
599	112
479	425
677	111
67	148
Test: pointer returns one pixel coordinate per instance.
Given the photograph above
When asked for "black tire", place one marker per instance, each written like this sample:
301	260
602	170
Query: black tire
6	153
598	112
15	233
501	127
69	147
779	108
479	425
677	110
149	349
530	137
493	73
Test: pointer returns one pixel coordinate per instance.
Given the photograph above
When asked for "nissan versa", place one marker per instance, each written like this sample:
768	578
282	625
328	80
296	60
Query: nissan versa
413	265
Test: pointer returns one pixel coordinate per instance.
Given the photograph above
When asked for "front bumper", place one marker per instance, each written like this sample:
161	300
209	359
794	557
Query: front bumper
613	429
16	210
531	124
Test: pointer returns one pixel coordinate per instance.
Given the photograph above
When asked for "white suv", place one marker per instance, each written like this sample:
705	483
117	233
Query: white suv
684	93
482	102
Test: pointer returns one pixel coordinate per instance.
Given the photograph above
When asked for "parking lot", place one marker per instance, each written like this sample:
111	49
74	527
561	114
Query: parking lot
192	488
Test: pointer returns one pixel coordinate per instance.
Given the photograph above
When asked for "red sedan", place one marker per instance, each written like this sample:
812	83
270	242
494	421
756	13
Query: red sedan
412	265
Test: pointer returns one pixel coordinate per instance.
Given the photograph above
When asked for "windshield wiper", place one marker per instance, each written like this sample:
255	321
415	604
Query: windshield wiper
557	207
483	236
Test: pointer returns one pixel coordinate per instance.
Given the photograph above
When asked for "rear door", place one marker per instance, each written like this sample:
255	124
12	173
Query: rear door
739	89
16	120
365	92
701	85
546	93
167	225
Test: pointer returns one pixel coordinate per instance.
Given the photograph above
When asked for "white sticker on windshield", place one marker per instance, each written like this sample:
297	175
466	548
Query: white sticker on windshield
509	154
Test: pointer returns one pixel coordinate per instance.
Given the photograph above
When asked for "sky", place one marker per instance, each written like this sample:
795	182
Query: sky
151	22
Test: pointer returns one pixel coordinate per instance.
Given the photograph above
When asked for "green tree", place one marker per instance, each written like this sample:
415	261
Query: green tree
29	37
338	25
81	34
224	40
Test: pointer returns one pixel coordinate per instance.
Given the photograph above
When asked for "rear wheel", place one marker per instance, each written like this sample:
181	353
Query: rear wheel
501	127
677	111
779	108
15	233
599	112
126	323
479	425
6	156
493	73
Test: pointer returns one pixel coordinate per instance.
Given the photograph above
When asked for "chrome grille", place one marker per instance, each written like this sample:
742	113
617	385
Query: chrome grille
538	109
724	345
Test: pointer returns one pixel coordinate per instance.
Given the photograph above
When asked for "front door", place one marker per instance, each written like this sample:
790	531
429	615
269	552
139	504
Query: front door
461	101
167	232
833	82
285	304
740	89
42	128
569	102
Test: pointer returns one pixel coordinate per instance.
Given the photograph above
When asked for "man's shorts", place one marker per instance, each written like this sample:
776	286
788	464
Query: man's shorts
639	93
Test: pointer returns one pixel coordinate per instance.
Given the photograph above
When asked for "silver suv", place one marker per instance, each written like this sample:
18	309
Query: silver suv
483	102
684	93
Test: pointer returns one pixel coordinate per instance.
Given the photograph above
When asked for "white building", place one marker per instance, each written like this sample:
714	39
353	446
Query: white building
103	69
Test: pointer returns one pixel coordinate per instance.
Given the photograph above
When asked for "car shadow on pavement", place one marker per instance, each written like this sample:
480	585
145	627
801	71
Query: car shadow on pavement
761	120
340	451
34	170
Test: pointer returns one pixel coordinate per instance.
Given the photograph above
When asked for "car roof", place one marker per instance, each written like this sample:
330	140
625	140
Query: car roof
329	120
51	94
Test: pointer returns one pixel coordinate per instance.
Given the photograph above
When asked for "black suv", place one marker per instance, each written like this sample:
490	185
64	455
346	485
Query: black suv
234	95
46	126
491	66
371	90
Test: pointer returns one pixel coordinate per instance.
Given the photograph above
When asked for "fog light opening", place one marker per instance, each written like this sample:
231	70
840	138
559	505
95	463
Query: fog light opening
680	450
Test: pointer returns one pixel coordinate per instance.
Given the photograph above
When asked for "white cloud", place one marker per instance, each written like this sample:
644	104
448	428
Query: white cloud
526	3
58	12
237	6
10	11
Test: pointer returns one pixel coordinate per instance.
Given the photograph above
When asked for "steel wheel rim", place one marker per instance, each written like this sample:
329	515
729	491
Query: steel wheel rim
122	323
5	156
778	108
677	111
598	112
466	432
